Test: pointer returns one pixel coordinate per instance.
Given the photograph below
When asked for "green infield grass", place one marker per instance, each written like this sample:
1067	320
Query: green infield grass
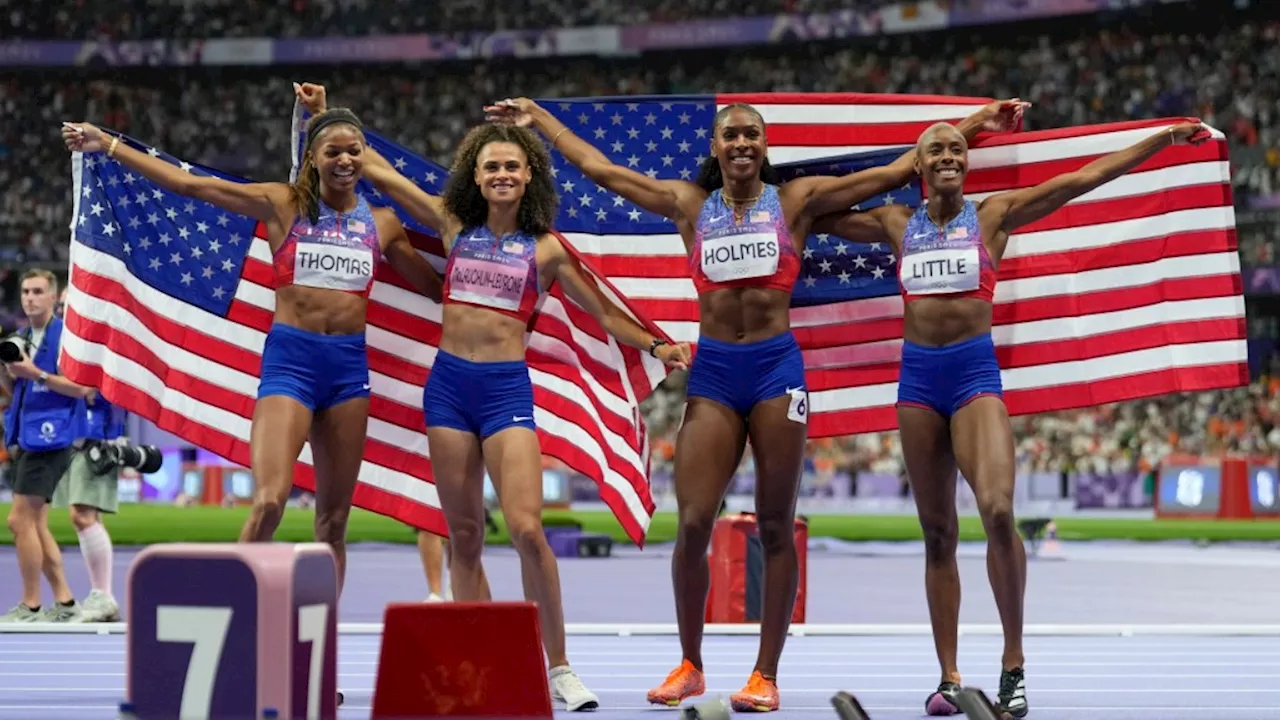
148	524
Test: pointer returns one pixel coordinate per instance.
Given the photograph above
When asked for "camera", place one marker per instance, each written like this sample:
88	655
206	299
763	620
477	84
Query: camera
105	457
13	348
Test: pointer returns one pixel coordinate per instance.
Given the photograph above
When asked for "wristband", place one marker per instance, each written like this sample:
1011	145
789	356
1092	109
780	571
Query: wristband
653	346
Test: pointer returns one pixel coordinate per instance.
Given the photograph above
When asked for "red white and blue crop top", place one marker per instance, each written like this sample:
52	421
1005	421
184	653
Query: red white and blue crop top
951	260
499	274
757	253
338	252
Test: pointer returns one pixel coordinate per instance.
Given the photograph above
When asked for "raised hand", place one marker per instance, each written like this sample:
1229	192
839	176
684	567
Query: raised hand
512	111
312	97
1192	133
83	137
1004	115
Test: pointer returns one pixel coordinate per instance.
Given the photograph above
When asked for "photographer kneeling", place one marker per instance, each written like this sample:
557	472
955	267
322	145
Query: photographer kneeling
41	424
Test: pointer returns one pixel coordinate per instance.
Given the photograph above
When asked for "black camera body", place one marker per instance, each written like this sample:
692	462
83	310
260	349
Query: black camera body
14	347
109	456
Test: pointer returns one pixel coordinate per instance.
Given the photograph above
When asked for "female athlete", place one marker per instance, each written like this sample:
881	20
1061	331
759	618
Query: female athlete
950	407
325	242
495	221
745	235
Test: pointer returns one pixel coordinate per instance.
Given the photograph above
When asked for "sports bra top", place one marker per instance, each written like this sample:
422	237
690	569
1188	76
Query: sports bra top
500	274
951	260
338	252
757	253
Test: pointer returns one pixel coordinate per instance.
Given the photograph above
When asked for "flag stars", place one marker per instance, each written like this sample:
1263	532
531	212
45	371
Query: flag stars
214	246
202	228
175	258
601	134
877	273
183	232
207	272
165	239
809	281
584	199
860	261
400	164
219	292
844	277
825	265
196	252
633	215
223	220
841	248
228	266
186	278
155	263
171	213
601	214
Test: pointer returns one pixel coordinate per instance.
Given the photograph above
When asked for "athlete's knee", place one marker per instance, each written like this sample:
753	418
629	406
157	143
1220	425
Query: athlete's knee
777	533
526	533
331	525
466	541
941	538
696	524
996	509
268	506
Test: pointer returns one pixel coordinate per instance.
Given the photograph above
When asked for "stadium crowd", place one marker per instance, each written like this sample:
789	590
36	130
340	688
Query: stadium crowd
150	19
1225	72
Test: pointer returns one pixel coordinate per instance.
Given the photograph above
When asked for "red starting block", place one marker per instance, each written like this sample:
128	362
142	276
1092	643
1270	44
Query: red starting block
233	630
461	660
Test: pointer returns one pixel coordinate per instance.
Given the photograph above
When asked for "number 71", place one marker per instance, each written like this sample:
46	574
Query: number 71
206	629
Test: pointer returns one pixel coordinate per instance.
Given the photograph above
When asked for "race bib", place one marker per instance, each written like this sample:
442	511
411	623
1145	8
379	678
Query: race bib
936	272
735	257
332	267
488	283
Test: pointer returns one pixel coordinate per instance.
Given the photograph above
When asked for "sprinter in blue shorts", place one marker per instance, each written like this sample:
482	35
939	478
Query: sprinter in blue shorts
495	222
745	235
325	242
951	410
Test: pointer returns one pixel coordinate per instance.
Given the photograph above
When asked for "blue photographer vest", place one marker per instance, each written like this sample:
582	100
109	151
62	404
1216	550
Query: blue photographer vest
39	419
101	420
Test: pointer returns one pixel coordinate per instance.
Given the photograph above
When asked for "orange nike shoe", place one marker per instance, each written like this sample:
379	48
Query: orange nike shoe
685	681
760	695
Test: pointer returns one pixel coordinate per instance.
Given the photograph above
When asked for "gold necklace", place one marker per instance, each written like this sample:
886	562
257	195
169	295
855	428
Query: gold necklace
733	205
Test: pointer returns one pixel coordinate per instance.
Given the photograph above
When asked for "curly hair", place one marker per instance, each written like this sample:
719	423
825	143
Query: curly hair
709	176
463	198
306	188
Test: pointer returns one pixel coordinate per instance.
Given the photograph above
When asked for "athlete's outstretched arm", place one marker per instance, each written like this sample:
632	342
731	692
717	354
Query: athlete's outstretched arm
822	195
255	200
1014	209
616	321
421	205
663	197
883	224
404	259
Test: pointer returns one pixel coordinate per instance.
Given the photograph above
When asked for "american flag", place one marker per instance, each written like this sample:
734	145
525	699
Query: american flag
171	298
1130	291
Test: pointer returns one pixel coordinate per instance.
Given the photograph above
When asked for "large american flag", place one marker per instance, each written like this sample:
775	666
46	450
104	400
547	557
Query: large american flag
171	298
1130	291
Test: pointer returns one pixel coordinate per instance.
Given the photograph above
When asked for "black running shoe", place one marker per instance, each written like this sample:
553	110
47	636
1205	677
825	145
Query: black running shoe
943	700
1013	693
